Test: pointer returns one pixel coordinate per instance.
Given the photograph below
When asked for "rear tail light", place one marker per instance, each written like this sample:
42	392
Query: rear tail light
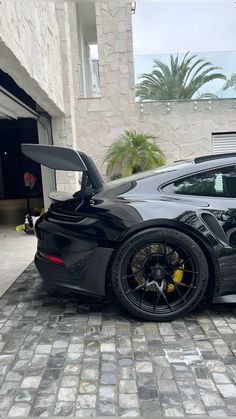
54	259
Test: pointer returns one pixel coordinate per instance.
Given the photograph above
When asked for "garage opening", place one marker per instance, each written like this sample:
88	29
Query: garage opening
16	172
21	187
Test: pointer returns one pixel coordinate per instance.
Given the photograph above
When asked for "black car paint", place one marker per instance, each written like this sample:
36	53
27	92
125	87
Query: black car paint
85	232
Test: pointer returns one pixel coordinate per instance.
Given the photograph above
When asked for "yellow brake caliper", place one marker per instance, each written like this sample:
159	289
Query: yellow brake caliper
177	276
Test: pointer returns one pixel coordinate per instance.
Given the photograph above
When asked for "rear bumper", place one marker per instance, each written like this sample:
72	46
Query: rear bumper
88	282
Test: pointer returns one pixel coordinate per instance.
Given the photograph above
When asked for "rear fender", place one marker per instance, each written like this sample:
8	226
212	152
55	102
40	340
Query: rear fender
209	243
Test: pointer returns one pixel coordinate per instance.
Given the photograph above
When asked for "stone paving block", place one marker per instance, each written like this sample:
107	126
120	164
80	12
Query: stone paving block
227	390
108	378
25	395
67	394
221	378
174	411
72	369
193	407
189	391
89	374
170	399
87	387
42	401
108	347
128	386
217	412
86	413
215	366
127	401
63	409
167	386
75	348
211	399
107	408
145	367
62	344
13	376
126	373
55	363
19	409
86	401
107	394
50	381
206	385
70	381
43	349
8	389
6	402
67	356
150	408
31	381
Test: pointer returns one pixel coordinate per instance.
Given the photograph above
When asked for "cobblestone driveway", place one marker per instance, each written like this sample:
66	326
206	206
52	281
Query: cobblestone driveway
70	356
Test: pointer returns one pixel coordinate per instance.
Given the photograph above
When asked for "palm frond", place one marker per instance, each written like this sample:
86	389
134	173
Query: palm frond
133	152
179	80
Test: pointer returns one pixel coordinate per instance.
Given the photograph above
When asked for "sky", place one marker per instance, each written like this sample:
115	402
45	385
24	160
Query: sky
179	26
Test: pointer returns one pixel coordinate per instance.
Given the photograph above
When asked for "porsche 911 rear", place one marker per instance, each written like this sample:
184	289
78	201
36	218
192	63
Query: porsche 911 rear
163	245
68	256
70	252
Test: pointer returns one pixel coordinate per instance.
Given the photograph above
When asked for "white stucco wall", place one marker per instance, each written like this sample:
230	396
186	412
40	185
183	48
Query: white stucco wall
184	129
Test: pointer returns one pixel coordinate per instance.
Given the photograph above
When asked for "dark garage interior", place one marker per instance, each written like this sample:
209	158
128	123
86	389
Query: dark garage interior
13	166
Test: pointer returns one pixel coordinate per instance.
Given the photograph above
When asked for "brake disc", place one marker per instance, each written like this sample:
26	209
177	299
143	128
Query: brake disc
151	250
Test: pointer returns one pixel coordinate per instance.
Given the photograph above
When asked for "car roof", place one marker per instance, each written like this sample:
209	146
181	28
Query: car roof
181	168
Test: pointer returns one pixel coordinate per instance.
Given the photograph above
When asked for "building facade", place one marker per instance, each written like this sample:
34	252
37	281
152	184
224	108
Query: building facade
75	60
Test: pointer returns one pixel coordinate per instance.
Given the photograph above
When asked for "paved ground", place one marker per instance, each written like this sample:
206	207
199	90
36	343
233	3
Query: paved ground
71	355
17	250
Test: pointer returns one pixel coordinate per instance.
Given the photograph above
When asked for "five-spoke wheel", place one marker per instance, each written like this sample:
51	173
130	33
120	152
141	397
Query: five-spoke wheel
159	274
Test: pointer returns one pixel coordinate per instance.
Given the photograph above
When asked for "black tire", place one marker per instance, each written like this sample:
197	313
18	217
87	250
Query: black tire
139	287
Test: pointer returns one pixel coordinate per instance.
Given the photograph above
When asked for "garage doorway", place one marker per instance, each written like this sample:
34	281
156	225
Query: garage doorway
20	123
14	169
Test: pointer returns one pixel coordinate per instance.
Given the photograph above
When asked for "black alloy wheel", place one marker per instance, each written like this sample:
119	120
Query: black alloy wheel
159	274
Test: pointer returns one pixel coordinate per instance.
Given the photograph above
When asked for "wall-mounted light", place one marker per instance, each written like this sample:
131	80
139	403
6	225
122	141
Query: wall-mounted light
133	7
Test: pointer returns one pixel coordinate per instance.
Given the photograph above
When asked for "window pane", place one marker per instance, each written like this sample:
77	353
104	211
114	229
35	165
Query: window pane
89	78
219	182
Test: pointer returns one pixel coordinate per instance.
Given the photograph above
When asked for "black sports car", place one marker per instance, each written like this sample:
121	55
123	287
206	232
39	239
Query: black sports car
164	239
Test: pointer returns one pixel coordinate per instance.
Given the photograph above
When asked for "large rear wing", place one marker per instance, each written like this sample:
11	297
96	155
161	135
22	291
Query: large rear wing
61	158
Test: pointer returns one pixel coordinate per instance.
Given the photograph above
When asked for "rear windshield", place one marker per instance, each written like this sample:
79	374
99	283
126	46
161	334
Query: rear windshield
141	175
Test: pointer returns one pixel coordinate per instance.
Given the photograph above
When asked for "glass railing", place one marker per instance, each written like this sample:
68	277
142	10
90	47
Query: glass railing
216	88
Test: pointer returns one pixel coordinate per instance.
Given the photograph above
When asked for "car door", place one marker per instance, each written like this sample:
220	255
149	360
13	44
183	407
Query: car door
219	186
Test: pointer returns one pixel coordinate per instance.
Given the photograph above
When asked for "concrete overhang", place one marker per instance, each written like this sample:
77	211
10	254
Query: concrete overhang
13	108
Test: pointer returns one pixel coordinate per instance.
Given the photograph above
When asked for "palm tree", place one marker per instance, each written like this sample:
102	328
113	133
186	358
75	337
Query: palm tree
230	82
133	152
179	80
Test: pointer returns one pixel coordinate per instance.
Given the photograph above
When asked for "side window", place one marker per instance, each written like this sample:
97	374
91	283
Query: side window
218	182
